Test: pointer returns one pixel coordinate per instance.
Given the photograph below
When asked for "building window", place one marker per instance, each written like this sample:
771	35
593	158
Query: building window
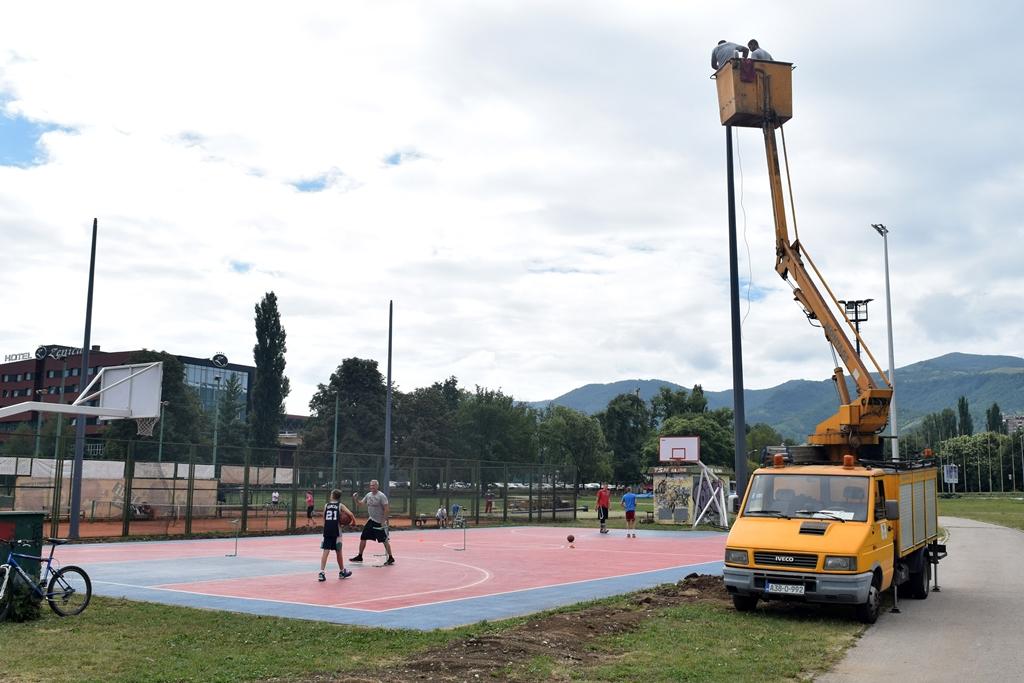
75	372
51	374
28	375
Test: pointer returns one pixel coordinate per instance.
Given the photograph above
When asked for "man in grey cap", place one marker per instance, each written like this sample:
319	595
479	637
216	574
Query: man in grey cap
725	51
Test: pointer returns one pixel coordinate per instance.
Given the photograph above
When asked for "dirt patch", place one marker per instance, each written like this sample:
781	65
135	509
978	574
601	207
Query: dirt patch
566	639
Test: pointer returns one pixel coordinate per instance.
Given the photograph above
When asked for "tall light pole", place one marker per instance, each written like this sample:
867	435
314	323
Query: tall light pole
160	446
334	448
893	425
216	419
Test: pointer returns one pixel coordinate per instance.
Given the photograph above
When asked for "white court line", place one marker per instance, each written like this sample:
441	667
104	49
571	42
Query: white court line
487	577
230	597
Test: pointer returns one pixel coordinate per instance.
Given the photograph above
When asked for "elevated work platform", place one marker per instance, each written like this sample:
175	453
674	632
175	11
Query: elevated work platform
748	88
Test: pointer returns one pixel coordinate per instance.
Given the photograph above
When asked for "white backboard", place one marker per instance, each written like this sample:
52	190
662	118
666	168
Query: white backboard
679	449
133	387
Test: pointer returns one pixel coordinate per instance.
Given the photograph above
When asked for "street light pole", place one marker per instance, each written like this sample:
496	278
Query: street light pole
334	448
216	419
893	425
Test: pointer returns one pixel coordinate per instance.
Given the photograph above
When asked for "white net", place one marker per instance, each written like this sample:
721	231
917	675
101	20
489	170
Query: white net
145	425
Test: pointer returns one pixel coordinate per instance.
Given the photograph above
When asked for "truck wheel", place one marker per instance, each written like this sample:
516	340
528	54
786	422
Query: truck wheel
744	603
867	612
920	581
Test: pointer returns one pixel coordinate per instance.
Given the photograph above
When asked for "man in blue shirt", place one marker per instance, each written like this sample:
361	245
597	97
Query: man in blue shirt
629	503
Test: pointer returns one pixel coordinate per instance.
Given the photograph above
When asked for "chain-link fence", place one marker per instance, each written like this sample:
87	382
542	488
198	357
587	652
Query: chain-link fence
133	488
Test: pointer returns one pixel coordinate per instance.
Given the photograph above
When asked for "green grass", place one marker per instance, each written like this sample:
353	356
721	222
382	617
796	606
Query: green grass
712	642
1004	511
119	640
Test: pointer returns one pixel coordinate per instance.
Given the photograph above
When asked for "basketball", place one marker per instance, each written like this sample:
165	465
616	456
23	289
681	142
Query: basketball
570	538
345	519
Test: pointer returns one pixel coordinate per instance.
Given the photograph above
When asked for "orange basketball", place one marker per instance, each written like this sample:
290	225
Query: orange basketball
345	519
570	538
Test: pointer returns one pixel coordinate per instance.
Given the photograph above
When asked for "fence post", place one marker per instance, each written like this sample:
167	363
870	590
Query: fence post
129	475
575	492
477	486
414	483
529	502
58	485
295	491
504	491
244	497
448	484
190	491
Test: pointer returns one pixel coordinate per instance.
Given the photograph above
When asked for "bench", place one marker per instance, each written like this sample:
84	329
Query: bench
420	522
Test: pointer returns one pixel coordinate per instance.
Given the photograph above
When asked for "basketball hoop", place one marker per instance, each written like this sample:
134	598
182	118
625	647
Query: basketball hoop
145	425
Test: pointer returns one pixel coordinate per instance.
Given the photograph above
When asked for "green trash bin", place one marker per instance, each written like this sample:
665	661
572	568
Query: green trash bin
22	526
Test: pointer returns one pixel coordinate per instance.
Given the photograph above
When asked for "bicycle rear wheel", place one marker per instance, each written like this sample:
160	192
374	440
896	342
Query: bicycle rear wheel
69	591
6	584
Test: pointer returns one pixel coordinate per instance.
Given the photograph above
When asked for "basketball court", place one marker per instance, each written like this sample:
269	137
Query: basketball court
442	578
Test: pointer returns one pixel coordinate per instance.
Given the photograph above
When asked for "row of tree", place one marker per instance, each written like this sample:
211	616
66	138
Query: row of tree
440	421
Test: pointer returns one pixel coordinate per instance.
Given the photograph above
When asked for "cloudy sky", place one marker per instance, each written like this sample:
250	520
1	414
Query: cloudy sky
539	186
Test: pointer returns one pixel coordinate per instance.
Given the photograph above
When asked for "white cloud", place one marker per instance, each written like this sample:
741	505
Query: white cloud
559	215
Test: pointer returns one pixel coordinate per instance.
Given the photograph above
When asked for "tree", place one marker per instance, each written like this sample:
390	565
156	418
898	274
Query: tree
424	421
22	442
361	393
493	426
270	386
231	428
569	437
669	402
994	420
626	422
964	411
761	435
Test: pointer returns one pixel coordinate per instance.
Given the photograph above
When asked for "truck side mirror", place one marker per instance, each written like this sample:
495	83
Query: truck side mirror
892	509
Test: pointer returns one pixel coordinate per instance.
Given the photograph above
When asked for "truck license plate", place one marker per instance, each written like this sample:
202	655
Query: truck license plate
785	588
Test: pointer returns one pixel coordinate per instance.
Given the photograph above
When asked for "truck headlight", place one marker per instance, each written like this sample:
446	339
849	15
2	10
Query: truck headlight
736	556
841	564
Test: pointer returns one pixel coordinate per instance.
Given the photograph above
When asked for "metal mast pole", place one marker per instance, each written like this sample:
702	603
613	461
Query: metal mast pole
334	448
739	417
385	485
76	470
893	424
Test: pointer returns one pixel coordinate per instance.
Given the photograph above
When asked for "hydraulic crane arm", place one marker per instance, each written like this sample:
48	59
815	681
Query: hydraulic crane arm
857	421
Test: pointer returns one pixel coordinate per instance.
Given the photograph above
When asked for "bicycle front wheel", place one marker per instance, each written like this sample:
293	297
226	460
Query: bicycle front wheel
69	591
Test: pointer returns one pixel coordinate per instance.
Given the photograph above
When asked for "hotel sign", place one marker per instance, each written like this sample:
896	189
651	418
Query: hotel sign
57	352
11	357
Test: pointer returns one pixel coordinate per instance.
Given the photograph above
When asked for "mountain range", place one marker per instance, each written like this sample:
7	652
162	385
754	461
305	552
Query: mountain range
793	408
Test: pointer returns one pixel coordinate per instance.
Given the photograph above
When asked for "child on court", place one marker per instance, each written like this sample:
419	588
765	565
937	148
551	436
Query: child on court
332	535
442	517
601	503
629	505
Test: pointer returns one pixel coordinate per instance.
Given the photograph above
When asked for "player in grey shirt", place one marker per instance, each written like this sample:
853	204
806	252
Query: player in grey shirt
376	527
725	51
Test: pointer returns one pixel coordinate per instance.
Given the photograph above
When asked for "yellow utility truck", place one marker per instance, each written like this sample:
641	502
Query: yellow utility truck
828	521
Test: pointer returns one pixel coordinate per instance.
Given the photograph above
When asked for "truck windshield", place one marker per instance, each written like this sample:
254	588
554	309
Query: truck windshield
814	496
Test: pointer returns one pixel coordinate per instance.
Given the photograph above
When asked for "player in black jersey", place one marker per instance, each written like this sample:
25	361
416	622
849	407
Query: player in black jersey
334	512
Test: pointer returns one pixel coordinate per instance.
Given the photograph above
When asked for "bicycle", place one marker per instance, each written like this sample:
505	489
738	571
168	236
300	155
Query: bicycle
68	589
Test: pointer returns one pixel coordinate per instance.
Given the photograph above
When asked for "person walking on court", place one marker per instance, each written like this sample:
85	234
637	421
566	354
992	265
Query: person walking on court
725	51
629	505
376	527
309	508
489	502
604	497
757	52
332	535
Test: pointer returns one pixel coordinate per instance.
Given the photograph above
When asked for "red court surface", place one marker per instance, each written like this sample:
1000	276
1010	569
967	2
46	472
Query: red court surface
502	572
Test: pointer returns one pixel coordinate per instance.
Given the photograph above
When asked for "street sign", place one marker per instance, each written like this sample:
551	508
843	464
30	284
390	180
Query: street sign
951	474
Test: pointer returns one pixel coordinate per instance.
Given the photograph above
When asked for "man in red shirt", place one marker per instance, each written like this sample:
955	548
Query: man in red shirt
603	500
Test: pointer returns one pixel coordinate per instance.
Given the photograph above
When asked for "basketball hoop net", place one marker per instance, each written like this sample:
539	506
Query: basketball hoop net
145	425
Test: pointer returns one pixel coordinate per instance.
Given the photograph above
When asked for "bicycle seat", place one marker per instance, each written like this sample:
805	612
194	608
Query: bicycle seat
56	541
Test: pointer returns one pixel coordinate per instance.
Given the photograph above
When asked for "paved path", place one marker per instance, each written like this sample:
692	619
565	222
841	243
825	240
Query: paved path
970	631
